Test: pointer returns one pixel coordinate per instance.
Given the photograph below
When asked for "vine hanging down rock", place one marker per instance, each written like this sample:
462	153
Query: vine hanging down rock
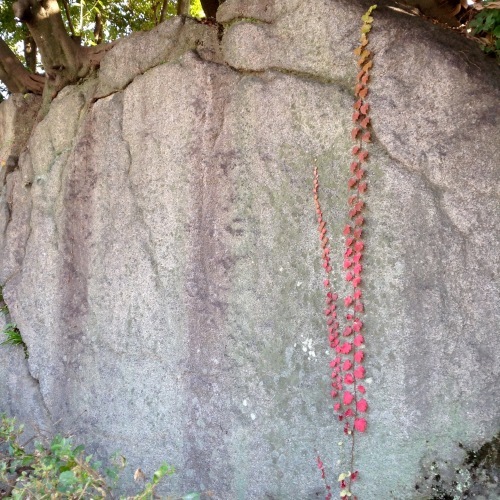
346	334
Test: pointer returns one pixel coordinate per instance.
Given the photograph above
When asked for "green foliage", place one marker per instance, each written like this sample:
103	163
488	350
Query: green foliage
13	337
486	26
60	470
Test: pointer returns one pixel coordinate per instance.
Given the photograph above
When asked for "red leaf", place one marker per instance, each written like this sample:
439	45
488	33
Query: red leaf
362	187
364	108
347	365
360	75
358	307
357	269
352	212
359	372
334	394
352	182
354	165
349	242
348	301
355	131
358	356
348	397
326	282
352	199
336	406
356	281
347	331
360	424
365	78
357	233
358	104
348	252
362	405
355	116
345	348
366	137
327	312
357	325
349	379
357	293
360	173
347	229
349	276
349	413
359	220
362	156
358	340
347	263
359	245
363	92
361	389
365	122
348	316
355	150
357	257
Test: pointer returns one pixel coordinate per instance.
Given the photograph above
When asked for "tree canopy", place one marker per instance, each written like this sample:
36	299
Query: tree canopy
76	34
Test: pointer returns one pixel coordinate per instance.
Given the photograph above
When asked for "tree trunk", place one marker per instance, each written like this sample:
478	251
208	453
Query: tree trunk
30	52
15	76
183	7
210	7
65	61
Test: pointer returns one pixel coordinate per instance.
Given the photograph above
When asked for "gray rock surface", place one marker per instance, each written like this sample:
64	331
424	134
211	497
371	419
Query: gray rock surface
160	252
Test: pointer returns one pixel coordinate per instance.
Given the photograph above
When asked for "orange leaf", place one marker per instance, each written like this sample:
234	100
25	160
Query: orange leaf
364	108
355	132
363	92
360	75
366	137
368	66
365	78
358	104
365	122
358	50
355	116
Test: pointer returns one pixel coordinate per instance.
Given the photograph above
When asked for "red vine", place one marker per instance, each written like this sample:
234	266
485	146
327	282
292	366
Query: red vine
348	342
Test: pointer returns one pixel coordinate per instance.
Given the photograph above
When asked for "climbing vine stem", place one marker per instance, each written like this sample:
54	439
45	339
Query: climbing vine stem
346	331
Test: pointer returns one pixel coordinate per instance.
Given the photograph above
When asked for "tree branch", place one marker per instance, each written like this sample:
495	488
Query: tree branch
15	76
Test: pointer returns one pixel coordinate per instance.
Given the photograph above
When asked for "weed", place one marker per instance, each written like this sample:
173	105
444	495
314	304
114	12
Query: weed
61	470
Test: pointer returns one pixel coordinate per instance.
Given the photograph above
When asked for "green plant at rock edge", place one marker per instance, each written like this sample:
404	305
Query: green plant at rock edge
14	338
486	26
60	470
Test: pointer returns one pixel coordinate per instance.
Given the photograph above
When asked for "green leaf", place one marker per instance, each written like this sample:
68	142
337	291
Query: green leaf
66	480
164	470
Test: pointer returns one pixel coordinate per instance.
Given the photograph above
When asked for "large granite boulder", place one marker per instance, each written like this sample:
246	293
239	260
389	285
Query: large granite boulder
159	252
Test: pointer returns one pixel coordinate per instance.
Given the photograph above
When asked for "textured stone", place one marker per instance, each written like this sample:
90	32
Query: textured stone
161	254
142	51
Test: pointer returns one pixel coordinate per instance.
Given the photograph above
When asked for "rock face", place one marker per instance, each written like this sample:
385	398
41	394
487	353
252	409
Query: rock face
159	251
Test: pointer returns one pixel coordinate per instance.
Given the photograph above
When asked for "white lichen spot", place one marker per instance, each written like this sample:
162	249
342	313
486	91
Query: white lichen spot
299	283
281	269
245	402
253	416
369	380
308	348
